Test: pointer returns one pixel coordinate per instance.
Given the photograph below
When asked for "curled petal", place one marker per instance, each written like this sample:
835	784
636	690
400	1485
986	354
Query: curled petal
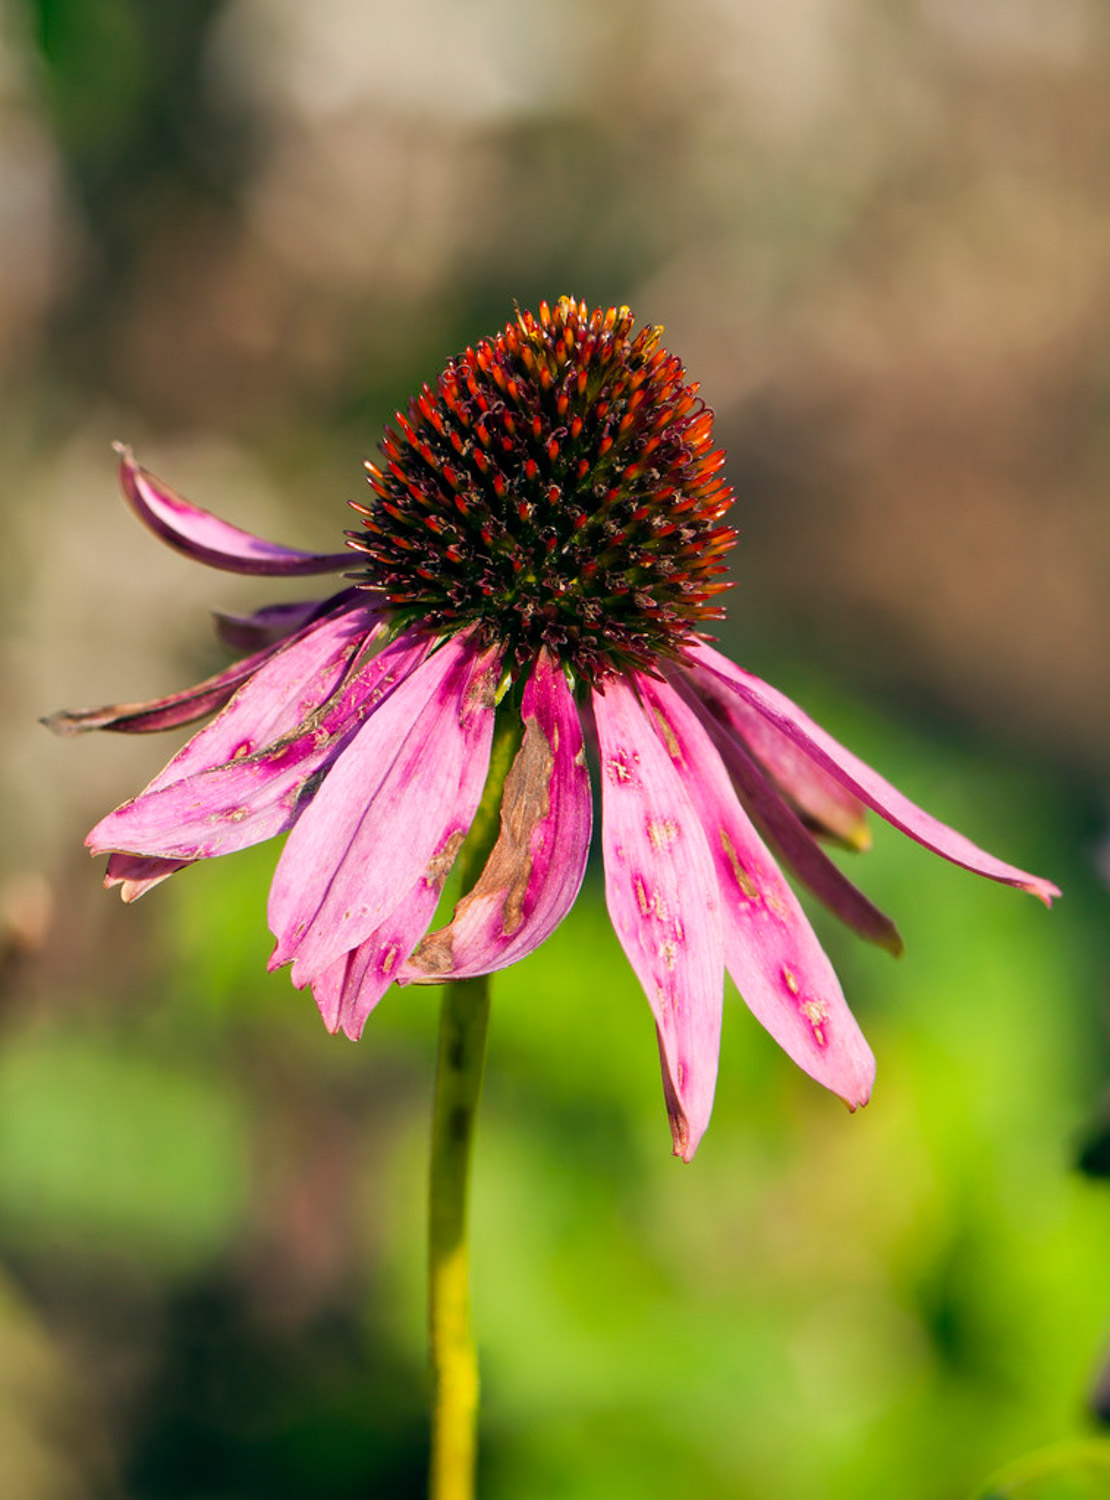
406	786
857	776
256	795
135	875
535	869
791	840
779	967
202	536
661	890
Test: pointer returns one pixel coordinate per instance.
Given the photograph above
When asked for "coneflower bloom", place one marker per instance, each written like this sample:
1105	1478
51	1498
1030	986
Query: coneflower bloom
542	550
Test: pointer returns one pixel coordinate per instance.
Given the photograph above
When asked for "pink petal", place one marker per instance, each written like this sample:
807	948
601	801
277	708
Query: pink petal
374	965
535	869
858	777
136	875
771	952
822	799
254	796
327	990
661	890
789	837
292	682
406	786
202	536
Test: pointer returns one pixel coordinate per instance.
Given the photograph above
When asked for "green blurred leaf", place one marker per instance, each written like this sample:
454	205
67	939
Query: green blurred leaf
102	1148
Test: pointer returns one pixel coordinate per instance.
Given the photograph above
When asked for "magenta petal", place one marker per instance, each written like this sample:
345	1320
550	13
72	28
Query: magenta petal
661	890
136	875
327	990
202	536
789	837
771	952
820	797
859	778
535	869
349	989
254	796
406	786
377	961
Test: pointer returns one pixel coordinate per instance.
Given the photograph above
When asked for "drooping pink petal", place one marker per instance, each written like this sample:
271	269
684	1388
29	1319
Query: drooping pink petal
327	991
202	536
162	713
819	797
135	875
372	967
258	794
293	681
407	784
771	952
789	837
858	777
535	869
803	855
661	890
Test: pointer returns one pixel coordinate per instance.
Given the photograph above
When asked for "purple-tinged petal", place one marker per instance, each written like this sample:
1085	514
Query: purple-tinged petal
789	837
205	538
266	626
535	869
859	778
406	786
771	952
162	713
819	797
255	796
275	623
135	875
661	890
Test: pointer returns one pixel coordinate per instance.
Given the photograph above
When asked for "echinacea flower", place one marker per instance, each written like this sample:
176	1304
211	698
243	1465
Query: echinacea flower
541	554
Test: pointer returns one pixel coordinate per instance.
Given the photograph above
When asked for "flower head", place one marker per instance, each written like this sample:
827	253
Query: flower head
541	550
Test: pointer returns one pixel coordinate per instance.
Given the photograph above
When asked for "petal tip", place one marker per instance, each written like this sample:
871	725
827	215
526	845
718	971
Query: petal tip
1044	890
65	724
892	942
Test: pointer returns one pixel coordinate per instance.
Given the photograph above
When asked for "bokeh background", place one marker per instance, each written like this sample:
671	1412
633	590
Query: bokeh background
237	233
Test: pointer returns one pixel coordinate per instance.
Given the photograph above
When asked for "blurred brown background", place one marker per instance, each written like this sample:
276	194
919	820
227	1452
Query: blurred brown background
235	234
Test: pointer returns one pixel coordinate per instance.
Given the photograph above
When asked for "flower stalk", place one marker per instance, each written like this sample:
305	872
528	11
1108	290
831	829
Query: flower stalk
463	1027
463	1024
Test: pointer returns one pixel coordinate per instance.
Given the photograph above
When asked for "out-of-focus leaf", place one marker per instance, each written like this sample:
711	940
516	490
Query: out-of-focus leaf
102	1149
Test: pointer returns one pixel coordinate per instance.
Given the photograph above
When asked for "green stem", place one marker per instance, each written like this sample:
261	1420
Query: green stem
463	1025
